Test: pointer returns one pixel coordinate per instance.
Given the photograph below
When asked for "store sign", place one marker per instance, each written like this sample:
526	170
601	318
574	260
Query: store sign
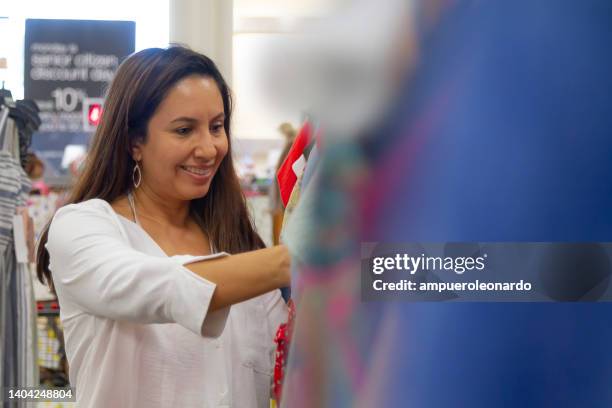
69	63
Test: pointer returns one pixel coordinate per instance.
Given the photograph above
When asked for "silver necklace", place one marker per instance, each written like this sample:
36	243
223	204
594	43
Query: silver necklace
133	207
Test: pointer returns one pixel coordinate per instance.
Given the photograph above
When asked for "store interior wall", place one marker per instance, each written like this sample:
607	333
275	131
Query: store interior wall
205	26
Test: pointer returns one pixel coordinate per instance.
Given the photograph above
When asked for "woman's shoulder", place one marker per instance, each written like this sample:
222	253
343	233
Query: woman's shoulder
93	204
77	220
94	207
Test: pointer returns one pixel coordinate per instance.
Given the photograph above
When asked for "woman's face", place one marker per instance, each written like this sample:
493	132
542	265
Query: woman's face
185	142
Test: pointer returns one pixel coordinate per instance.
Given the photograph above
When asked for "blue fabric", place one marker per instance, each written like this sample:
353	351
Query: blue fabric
503	133
520	151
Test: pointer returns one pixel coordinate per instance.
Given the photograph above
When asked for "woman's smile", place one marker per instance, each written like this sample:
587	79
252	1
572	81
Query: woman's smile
200	174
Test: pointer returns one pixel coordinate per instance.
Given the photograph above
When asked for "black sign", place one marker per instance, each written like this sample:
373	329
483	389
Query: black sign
66	62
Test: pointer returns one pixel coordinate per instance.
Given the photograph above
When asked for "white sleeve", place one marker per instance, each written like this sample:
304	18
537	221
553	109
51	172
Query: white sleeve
95	271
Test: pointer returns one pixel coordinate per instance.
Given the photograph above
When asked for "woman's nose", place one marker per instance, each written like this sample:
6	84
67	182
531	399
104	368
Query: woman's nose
205	148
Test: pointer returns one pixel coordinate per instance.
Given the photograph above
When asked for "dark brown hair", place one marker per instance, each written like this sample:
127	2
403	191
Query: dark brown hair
139	86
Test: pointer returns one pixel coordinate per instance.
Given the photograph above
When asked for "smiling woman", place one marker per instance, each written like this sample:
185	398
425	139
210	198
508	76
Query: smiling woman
146	239
186	133
185	145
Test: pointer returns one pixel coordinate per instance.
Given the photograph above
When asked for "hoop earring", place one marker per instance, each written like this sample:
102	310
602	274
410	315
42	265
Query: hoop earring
134	171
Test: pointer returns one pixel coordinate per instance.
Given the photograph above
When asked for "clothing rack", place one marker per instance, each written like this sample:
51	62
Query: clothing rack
18	331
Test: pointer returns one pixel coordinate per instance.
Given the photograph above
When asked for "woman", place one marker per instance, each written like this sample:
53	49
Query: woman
148	321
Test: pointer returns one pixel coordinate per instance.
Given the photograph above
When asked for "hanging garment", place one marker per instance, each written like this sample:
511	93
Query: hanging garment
294	163
10	179
17	311
10	188
488	142
295	234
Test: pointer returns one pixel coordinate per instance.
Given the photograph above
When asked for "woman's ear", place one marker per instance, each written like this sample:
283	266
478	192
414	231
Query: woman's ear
136	151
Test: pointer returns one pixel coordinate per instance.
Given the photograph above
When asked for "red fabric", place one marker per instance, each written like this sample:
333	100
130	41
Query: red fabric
286	177
282	340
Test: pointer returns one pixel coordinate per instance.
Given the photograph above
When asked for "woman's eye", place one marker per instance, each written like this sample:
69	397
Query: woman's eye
183	131
217	128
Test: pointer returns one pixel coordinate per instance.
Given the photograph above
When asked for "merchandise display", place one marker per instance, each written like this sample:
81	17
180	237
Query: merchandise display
484	142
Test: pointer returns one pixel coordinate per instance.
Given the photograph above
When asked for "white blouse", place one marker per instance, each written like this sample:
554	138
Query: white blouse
136	323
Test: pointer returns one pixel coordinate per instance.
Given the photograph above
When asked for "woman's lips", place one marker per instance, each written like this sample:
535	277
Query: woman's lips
198	173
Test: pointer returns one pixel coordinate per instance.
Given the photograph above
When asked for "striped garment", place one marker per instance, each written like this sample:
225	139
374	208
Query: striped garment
17	337
14	183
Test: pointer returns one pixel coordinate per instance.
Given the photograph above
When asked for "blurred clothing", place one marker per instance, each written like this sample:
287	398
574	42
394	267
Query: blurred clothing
502	133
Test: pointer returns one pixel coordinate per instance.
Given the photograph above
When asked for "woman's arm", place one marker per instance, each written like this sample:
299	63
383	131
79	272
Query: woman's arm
96	271
243	276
